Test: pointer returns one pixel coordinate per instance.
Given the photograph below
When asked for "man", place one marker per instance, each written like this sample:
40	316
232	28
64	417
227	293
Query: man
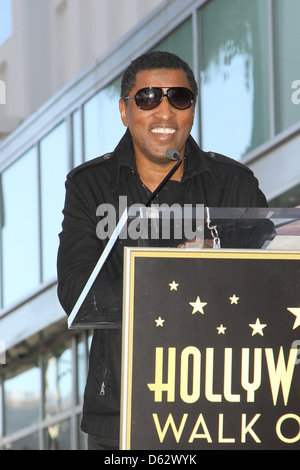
157	105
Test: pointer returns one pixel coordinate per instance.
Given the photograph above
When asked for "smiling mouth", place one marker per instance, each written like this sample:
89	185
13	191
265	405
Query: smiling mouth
163	130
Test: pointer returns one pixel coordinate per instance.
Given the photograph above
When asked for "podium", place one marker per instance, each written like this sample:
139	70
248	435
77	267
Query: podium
211	336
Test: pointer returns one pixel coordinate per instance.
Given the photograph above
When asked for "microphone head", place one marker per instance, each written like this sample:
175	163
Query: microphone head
172	154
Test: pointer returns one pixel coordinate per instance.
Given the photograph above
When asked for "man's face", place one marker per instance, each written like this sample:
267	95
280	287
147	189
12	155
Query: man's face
154	131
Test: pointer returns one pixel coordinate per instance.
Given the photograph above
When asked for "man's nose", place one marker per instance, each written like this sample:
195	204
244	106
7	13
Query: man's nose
165	110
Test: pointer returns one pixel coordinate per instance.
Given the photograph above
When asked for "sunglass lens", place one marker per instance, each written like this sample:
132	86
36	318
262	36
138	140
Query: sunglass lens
180	98
148	98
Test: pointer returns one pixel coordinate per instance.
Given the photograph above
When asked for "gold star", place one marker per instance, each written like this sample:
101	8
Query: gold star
257	327
234	299
159	322
221	329
198	306
296	312
173	285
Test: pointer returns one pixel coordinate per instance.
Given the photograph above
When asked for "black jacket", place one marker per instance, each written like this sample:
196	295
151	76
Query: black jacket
210	179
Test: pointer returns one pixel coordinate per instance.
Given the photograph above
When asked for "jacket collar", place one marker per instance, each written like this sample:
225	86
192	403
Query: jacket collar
196	159
123	156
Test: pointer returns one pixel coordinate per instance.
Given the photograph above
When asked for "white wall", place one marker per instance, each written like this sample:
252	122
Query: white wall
53	41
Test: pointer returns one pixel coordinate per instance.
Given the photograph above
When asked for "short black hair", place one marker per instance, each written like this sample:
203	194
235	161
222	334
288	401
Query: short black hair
156	60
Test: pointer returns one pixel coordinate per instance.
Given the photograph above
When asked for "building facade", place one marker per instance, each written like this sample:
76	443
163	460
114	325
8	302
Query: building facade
61	63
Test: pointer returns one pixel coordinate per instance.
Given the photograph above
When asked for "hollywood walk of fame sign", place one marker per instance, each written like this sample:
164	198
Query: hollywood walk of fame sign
211	344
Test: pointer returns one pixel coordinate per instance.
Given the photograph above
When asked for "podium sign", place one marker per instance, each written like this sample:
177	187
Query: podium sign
211	344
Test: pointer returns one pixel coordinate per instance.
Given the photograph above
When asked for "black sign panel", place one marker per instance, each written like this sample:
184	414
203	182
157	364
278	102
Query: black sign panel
211	350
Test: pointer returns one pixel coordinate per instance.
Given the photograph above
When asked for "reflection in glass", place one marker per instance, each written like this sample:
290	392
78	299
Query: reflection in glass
234	76
103	127
22	395
287	40
290	198
54	168
179	42
58	382
28	443
20	228
58	436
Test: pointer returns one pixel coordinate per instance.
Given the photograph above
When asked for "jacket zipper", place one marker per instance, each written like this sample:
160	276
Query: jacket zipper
102	390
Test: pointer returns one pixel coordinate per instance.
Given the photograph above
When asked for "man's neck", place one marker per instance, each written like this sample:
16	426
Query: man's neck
151	173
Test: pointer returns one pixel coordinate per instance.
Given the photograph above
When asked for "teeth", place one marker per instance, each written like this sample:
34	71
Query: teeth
163	130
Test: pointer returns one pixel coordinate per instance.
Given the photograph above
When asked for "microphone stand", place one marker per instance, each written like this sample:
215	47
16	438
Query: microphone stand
171	155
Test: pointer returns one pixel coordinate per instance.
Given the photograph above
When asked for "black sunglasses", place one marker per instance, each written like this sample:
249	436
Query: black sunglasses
150	97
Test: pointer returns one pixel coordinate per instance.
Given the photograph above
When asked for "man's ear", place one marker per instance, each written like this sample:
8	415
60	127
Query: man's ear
123	111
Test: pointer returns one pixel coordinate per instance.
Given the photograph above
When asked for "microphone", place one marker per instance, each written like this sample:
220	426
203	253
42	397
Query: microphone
173	155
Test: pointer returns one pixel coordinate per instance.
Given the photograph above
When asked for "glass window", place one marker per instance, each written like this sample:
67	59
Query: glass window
22	395
20	228
58	381
103	127
6	21
287	39
290	198
58	436
81	367
180	42
28	443
77	138
54	168
234	76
